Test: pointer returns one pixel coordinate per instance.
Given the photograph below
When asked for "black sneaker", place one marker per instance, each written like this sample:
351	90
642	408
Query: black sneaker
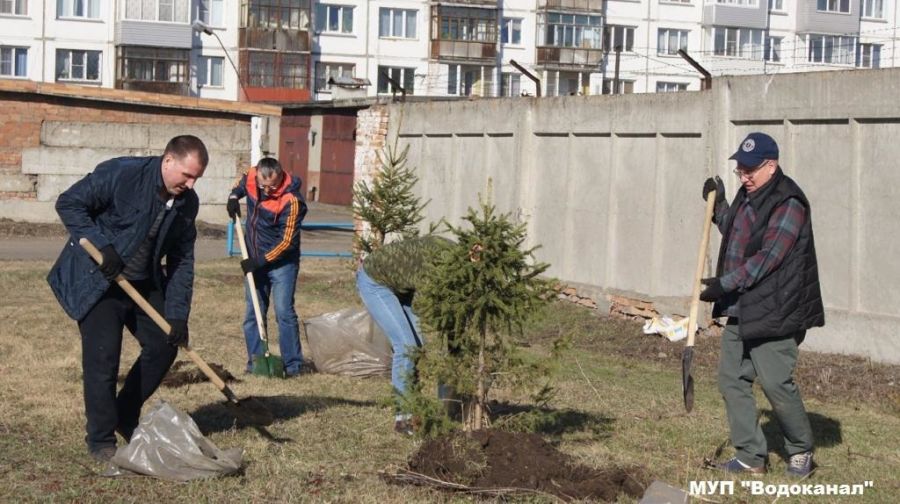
104	454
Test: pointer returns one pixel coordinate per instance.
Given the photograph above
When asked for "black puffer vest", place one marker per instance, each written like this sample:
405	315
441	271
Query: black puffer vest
788	299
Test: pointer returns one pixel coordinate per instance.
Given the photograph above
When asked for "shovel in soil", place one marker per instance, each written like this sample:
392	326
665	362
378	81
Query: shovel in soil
266	364
249	411
687	355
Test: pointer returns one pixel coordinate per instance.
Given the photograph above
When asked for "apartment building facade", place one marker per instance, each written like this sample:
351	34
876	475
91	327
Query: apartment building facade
299	50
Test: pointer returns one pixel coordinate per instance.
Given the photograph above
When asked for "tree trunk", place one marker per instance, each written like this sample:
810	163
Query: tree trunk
479	395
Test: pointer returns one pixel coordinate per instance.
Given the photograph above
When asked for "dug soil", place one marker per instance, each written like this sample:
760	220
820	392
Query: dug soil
509	462
185	373
11	228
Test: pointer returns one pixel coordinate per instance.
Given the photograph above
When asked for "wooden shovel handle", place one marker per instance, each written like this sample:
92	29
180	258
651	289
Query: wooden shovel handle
251	284
701	260
160	321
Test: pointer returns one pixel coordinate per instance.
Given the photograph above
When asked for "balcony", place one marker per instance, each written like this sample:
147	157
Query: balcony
462	50
274	39
275	25
571	5
464	34
568	57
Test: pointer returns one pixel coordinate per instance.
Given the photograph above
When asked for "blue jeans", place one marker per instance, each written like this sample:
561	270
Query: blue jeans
277	282
395	317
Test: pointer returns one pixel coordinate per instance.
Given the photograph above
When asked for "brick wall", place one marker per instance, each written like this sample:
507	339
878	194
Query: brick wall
371	134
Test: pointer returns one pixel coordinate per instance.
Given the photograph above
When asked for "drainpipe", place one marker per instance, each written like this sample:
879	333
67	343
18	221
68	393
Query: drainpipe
43	39
647	46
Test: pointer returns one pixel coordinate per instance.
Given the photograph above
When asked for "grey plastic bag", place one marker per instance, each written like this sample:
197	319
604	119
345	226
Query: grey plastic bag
349	342
168	445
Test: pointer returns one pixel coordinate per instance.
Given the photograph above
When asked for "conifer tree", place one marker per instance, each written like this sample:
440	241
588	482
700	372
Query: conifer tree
388	205
476	299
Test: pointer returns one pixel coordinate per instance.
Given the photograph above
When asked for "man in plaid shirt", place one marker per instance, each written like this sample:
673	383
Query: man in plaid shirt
767	284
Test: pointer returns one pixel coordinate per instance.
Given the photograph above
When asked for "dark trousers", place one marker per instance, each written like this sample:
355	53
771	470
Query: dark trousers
101	346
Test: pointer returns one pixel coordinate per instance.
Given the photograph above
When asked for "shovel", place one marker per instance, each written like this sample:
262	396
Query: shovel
266	364
249	410
687	355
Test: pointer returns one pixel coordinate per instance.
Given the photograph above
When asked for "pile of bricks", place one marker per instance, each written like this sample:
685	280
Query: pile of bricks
570	294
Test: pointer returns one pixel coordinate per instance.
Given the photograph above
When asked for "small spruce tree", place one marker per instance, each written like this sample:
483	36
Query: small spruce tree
388	205
477	298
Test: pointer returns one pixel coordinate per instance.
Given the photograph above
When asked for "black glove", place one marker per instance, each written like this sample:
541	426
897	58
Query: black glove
714	184
234	208
178	334
713	290
250	264
112	263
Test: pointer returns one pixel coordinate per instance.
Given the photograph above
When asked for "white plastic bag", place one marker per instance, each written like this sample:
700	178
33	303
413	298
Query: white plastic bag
673	330
167	444
349	342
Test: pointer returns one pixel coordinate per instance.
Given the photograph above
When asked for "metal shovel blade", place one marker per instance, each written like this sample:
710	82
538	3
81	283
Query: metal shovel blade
268	365
687	381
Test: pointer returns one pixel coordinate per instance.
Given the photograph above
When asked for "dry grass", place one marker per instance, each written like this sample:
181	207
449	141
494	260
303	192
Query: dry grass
340	428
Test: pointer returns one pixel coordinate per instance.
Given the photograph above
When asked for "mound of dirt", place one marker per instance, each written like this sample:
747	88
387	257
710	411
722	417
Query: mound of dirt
179	377
18	229
503	460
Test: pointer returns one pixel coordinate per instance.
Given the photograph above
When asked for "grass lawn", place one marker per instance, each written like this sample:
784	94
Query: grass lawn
622	391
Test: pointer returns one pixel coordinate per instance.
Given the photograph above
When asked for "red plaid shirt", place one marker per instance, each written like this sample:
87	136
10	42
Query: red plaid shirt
741	273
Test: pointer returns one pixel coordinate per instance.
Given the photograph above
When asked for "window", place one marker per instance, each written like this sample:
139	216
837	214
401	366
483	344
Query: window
403	76
463	23
573	30
618	36
334	18
741	3
832	49
776	5
738	42
14	61
211	12
561	83
670	41
211	71
510	84
470	80
275	69
773	49
397	23
283	14
325	71
154	64
625	86
14	7
670	87
868	56
511	31
77	65
77	9
156	10
834	6
873	8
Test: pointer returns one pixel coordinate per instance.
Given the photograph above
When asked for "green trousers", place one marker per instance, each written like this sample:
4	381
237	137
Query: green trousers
772	362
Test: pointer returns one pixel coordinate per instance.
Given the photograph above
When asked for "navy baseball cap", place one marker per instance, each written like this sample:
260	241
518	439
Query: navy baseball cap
755	149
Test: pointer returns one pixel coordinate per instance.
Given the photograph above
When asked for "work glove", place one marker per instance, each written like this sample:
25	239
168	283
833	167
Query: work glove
713	290
178	334
234	208
112	263
250	264
714	184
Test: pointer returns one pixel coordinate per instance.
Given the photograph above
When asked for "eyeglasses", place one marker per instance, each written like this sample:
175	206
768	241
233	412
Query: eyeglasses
748	173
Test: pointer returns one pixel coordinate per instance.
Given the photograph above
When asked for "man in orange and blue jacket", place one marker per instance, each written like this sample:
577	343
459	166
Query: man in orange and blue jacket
275	209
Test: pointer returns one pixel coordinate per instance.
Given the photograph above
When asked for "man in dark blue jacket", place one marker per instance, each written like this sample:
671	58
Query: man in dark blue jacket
136	211
275	209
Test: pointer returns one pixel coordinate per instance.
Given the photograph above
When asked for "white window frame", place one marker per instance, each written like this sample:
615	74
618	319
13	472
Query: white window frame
407	76
776	5
16	7
821	43
834	6
327	69
731	42
625	86
66	9
871	52
564	29
178	15
206	78
72	64
211	12
670	87
510	28
665	35
404	16
872	9
618	33
8	56
772	49
510	84
737	3
459	85
343	14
